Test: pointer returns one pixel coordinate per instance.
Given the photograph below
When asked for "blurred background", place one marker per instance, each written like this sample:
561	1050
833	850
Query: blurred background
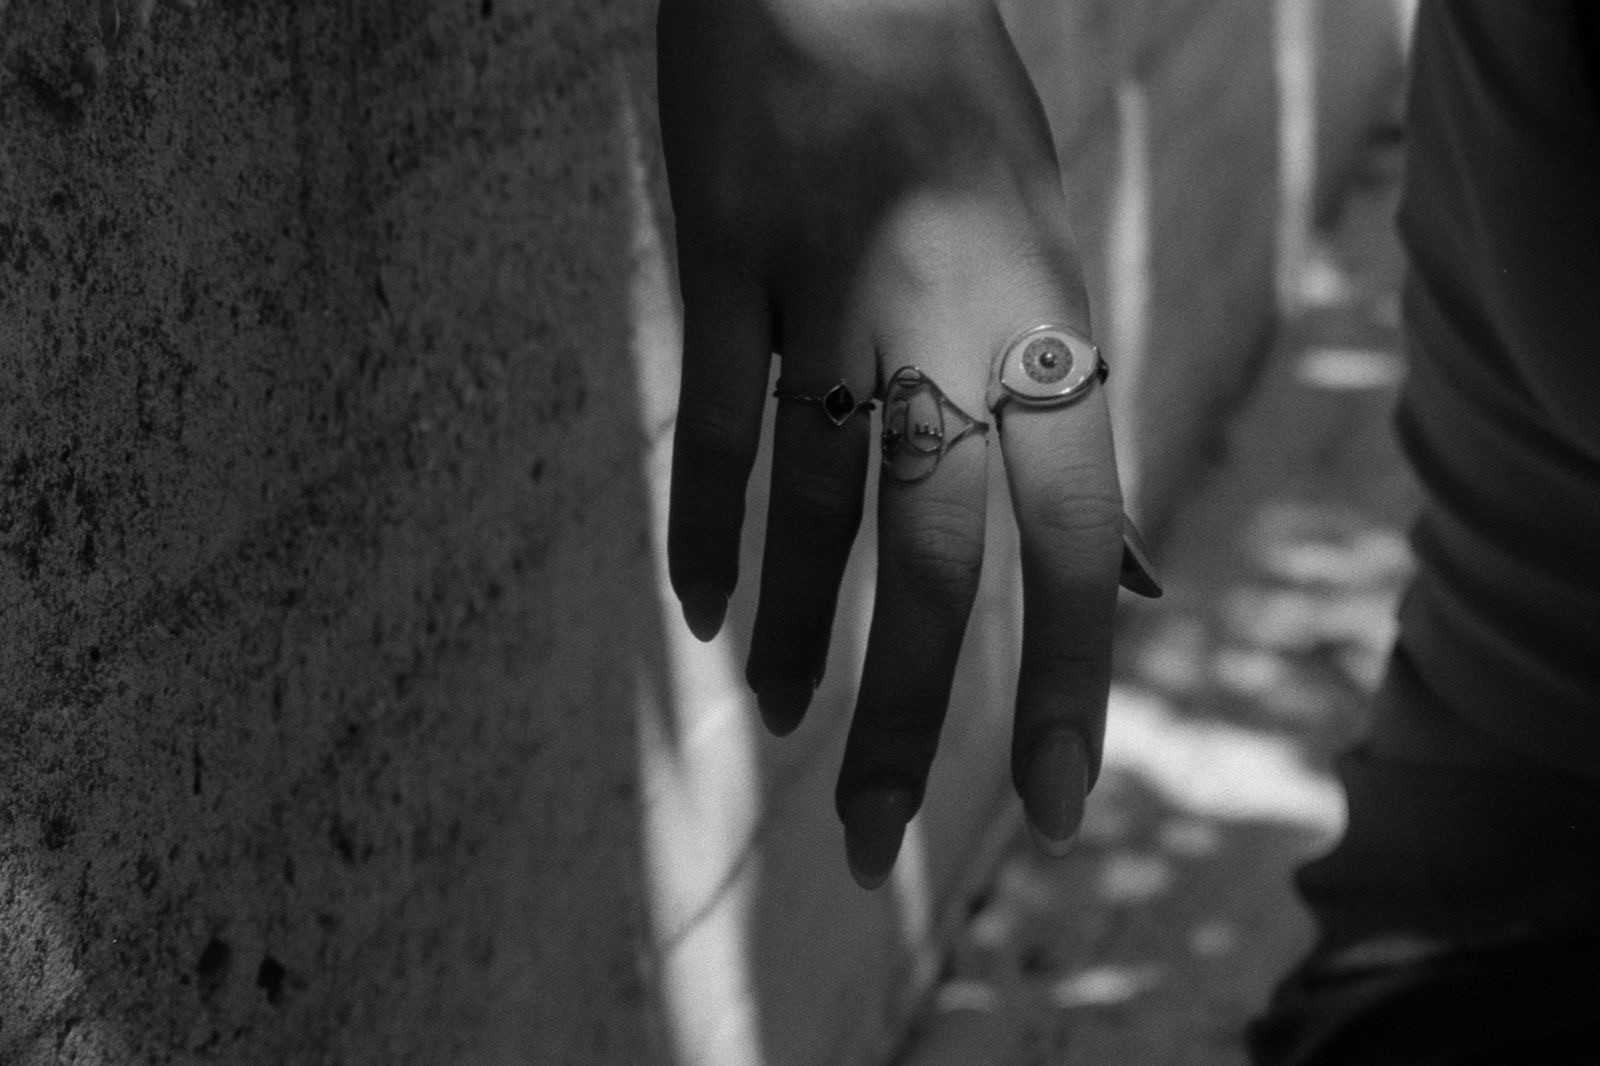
345	715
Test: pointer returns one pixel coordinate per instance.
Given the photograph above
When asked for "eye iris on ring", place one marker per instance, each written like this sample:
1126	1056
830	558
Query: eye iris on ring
1047	360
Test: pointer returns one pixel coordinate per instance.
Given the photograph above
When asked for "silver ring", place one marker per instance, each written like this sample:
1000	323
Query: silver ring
1045	366
836	400
920	424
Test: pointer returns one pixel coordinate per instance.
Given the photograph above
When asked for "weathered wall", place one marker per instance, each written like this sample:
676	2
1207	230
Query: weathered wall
319	491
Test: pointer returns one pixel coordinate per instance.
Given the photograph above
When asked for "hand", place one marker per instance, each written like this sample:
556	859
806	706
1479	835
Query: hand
861	185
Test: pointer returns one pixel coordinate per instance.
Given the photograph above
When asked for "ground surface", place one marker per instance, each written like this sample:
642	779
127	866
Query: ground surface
1163	932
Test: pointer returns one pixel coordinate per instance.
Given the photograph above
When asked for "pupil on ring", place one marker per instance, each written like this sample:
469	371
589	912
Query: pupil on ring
1048	360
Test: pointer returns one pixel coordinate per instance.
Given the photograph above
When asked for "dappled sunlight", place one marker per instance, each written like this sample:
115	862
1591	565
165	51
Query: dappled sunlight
977	996
1295	620
1189	838
1312	546
1212	940
1104	986
1351	368
1176	655
1296	627
1131	877
909	882
1321	282
1251	671
1217	770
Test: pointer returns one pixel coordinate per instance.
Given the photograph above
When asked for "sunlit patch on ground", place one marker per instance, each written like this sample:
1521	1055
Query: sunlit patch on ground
1351	368
1216	770
1103	986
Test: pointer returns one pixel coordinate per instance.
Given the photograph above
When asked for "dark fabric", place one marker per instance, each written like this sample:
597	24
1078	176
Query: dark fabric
1501	412
1482	850
1527	1004
1459	916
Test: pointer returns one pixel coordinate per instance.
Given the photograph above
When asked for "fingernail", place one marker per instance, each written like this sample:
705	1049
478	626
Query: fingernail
874	824
783	703
1138	573
1053	788
704	608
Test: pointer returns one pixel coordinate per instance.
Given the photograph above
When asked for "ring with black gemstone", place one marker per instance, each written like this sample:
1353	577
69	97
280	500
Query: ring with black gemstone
838	403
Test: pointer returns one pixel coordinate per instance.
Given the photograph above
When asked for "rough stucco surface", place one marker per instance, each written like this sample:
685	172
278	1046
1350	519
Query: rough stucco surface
319	496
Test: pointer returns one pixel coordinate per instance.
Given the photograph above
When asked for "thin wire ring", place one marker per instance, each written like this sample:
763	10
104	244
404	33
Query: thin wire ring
924	440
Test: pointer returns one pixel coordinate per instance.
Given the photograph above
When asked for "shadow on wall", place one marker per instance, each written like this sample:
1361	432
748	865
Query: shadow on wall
322	537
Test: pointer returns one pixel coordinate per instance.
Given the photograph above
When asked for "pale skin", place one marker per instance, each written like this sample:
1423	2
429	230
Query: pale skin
860	185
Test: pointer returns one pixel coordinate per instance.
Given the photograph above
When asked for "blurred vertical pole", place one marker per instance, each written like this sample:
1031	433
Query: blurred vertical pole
1405	17
1128	259
1295	68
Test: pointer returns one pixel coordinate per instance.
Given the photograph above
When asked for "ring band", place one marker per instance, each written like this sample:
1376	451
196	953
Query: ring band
836	401
920	424
1045	366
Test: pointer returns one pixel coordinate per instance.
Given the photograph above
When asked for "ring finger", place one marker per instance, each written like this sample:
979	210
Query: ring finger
931	510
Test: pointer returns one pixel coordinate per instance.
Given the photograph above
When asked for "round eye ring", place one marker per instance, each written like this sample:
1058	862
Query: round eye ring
1045	366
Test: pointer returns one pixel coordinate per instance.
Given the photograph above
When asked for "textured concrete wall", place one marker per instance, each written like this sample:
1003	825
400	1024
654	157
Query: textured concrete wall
319	503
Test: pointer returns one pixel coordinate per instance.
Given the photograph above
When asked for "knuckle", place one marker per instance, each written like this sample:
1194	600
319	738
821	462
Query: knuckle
1077	517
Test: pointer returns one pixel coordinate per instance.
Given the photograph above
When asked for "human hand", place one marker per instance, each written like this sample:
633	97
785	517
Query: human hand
861	186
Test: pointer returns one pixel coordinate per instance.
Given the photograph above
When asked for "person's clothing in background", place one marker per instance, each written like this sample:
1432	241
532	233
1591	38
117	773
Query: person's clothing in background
1459	916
